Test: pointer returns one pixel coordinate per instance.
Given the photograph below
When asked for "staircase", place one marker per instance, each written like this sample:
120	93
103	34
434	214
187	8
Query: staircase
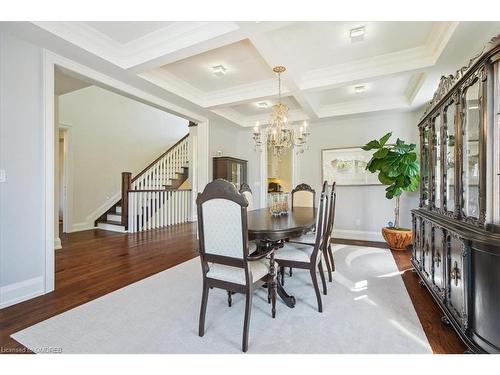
154	198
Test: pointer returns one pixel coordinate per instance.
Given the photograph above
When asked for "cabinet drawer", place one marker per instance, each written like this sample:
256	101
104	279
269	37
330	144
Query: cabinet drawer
456	278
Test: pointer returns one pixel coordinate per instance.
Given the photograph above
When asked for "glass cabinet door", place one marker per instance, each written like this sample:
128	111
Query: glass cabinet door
470	166
449	158
436	161
424	167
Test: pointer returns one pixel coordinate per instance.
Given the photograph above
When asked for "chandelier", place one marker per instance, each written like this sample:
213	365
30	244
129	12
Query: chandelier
279	134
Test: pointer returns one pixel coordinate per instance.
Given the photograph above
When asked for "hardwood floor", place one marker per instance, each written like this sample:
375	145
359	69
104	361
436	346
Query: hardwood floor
94	263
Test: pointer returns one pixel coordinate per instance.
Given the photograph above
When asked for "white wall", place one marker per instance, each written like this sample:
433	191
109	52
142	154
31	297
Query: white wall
110	134
22	237
362	210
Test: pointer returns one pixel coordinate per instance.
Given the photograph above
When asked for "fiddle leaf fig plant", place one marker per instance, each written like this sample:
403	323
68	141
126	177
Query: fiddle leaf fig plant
397	167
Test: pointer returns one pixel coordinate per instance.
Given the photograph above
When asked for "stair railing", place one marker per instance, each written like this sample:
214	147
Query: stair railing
152	209
148	199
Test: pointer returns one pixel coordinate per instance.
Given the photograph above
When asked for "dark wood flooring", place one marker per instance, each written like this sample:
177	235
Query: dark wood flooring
94	263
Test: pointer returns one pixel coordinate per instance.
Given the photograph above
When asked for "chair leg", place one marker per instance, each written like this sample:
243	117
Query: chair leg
246	324
322	275
316	288
282	275
290	273
203	310
330	253
229	299
268	292
328	268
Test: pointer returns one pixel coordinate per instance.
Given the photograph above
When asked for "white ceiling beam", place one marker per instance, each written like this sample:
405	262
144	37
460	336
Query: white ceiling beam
270	53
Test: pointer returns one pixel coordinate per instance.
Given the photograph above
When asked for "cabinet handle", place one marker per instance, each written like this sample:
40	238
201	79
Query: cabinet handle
455	273
437	259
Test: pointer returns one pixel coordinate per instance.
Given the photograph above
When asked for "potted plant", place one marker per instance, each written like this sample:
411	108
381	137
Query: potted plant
397	167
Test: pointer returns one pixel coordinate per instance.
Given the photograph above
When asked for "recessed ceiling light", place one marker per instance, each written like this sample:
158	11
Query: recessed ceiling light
357	34
219	70
359	89
262	105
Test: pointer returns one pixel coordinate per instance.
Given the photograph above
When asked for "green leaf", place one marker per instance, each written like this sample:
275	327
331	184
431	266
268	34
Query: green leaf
384	179
382	153
371	145
384	139
374	165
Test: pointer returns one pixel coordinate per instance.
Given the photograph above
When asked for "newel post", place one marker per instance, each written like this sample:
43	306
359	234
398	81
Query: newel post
126	181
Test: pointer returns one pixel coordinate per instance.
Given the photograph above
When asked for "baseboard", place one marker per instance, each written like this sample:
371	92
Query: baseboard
357	235
78	227
57	244
21	291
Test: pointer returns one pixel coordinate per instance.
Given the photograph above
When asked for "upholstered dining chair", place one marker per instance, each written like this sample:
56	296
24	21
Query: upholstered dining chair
308	238
247	193
303	196
225	251
304	256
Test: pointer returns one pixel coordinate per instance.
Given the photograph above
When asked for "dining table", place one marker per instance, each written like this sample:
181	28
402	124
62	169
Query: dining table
274	230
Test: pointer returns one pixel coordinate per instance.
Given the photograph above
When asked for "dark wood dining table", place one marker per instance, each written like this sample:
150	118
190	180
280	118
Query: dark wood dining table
262	226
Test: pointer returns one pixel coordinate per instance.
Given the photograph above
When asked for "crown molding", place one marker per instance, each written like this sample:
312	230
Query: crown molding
172	83
167	40
363	106
242	93
382	65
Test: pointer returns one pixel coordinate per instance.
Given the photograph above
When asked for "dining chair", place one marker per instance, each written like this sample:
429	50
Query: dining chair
303	196
308	238
247	193
225	251
304	256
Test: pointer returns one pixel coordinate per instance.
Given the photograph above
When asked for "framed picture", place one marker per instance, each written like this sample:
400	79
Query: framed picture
347	166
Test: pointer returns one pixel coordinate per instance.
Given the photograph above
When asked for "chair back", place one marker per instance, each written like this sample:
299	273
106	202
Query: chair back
303	196
222	224
247	193
331	214
320	228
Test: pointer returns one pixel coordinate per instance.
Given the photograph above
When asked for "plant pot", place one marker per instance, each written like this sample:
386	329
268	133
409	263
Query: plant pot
397	239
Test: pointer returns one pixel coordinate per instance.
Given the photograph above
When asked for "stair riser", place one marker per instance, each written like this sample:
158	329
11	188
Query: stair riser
113	217
112	227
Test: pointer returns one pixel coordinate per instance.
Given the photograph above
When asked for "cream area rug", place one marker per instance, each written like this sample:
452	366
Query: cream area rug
367	310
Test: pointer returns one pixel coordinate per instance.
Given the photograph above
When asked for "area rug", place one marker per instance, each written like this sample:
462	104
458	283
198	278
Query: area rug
367	310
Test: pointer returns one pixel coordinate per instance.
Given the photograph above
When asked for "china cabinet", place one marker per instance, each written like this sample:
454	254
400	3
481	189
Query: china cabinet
230	169
456	248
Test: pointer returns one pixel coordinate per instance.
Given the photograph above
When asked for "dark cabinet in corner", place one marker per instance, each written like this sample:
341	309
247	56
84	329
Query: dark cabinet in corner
231	169
456	247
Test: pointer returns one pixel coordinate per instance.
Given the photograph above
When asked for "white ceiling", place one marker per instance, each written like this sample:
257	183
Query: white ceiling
400	63
126	31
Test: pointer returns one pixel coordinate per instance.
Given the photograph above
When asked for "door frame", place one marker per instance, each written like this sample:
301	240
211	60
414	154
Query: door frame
50	61
66	129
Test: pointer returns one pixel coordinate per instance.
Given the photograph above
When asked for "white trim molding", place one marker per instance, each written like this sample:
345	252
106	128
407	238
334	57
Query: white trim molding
21	291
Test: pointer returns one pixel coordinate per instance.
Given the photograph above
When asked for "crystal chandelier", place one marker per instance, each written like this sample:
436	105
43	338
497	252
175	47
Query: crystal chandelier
279	134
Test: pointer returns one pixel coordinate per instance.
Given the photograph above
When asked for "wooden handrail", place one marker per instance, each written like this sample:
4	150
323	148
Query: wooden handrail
159	158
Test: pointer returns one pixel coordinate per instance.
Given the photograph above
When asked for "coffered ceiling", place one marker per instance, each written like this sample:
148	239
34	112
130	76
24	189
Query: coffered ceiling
333	68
